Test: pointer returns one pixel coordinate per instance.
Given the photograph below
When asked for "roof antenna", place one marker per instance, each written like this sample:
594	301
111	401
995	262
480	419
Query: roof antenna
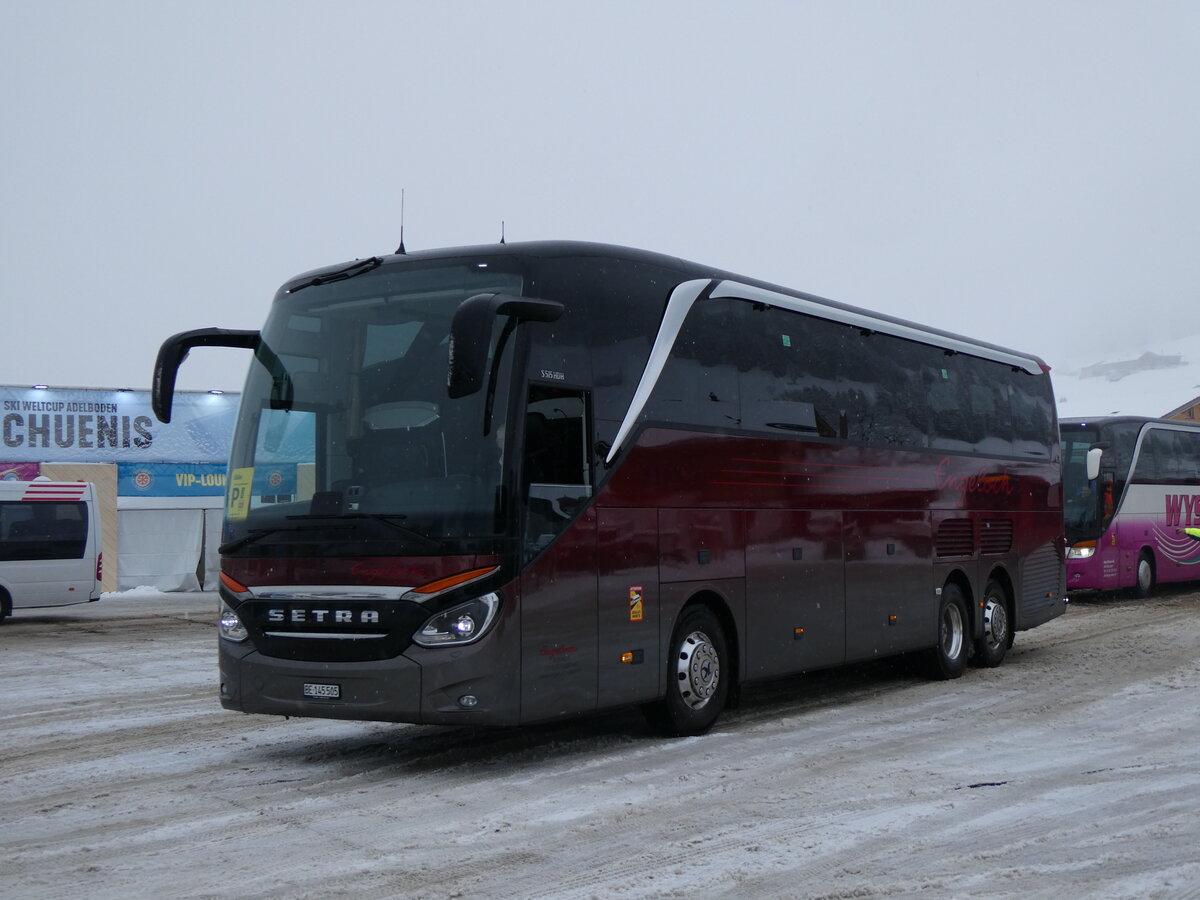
400	251
502	231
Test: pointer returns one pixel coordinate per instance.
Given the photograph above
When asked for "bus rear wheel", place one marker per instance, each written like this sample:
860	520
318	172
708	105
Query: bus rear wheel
698	675
997	634
1143	587
948	658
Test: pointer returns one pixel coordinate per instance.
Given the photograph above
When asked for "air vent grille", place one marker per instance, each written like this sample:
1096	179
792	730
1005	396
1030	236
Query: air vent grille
955	537
995	536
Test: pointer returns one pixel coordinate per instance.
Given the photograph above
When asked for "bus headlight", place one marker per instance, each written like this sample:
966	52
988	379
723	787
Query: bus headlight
1082	550
460	624
230	627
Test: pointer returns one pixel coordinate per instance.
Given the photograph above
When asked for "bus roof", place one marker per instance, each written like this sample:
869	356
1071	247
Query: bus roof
1100	421
552	249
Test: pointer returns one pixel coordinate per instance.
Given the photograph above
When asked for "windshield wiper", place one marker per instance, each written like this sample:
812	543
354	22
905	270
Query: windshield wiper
249	537
357	268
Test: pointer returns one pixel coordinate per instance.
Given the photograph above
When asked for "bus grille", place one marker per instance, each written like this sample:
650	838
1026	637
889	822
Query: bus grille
955	537
1041	581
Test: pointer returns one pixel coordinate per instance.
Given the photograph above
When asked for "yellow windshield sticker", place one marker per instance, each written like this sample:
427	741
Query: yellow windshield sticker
240	482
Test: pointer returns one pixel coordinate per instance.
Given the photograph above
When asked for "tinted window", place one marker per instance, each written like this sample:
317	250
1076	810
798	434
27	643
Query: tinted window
556	466
886	374
612	311
969	404
699	383
742	365
42	530
1168	457
1032	408
793	377
800	374
1189	457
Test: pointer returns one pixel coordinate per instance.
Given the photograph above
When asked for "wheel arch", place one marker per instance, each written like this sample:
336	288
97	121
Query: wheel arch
1001	576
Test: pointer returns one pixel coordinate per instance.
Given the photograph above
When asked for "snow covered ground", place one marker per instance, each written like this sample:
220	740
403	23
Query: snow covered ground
1072	770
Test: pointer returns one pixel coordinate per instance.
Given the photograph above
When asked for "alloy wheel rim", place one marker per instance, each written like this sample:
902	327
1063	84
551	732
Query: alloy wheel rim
995	622
952	631
698	670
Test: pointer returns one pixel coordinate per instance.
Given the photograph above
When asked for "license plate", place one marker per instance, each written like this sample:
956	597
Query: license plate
326	691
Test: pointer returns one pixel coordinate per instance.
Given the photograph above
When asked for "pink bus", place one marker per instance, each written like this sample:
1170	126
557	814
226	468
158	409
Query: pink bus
1132	486
505	484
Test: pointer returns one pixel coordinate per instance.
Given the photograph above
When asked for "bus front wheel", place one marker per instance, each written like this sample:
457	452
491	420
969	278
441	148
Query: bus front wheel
948	658
1143	587
698	675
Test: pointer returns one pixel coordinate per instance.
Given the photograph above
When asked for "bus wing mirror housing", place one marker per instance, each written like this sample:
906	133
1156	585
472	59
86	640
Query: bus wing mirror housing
471	331
1093	463
174	351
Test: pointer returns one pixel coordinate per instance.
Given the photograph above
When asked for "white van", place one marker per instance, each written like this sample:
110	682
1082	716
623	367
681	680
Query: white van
49	544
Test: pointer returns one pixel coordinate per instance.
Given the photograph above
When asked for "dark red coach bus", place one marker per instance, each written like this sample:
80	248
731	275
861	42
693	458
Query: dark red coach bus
510	483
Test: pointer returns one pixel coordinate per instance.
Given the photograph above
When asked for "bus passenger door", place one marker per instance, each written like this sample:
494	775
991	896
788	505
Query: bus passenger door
890	603
558	585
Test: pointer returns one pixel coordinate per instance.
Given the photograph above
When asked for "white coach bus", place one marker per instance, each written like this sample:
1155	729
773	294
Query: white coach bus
49	544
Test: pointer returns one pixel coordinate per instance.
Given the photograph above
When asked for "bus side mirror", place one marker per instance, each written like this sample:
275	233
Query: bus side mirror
471	331
1093	463
174	351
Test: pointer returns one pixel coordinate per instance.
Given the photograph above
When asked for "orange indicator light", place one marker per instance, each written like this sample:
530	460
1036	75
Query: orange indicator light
236	586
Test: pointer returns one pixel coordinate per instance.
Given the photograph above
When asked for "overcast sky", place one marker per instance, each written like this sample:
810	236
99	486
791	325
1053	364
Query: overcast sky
1023	172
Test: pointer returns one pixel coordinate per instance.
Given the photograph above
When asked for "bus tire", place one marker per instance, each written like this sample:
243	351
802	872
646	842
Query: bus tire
948	658
698	676
997	634
5	604
1144	583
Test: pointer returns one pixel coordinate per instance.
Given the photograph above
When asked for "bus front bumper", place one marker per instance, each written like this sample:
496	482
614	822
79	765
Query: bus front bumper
455	688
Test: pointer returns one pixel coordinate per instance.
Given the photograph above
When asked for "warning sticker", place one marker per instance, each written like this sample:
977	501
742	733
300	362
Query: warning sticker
635	604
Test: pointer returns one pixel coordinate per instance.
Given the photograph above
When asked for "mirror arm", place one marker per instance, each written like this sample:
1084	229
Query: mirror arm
174	351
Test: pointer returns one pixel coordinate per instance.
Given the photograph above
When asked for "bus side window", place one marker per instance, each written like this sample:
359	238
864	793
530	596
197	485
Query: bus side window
790	371
1190	457
1175	467
1153	457
1031	417
43	530
894	410
556	465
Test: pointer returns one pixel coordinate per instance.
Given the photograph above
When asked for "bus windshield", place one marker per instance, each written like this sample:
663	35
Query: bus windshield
1081	509
1089	505
347	442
